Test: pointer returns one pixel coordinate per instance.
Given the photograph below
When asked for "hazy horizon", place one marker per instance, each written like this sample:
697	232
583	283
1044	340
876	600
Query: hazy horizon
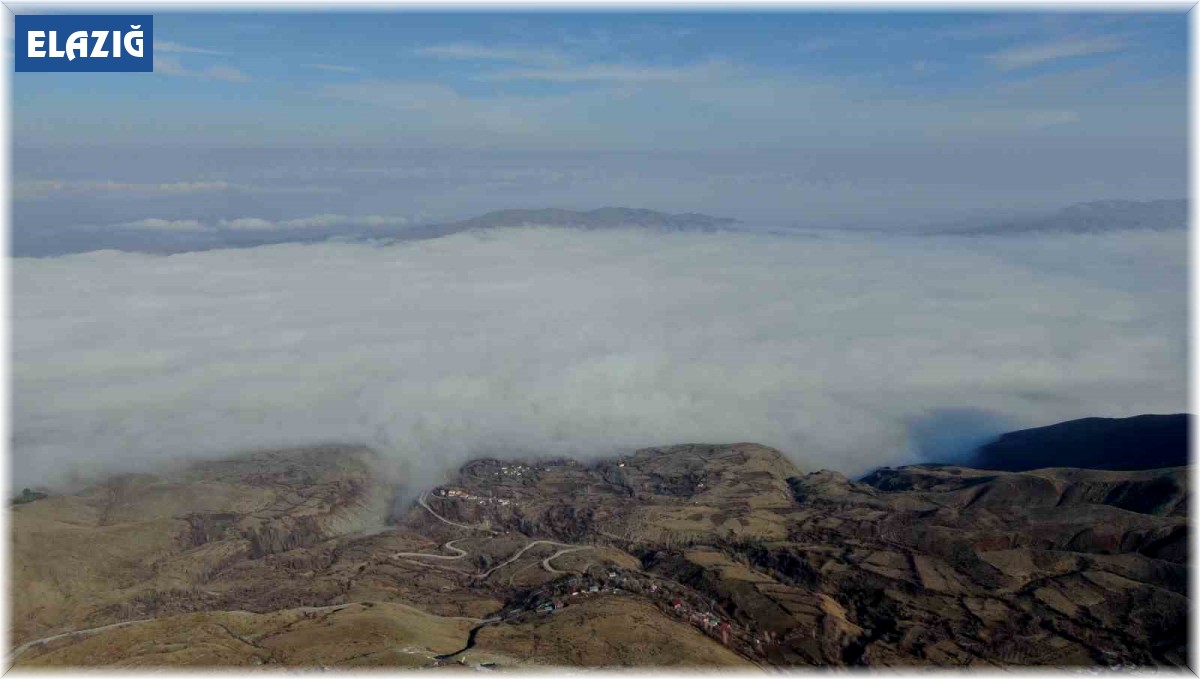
814	118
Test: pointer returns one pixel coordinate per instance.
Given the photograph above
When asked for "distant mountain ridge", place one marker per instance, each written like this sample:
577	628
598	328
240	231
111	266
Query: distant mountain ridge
1095	217
590	220
601	218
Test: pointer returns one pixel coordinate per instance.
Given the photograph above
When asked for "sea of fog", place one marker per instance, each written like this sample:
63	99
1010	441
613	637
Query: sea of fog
845	351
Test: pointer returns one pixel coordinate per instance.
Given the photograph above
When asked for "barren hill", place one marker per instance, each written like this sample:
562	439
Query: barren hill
698	555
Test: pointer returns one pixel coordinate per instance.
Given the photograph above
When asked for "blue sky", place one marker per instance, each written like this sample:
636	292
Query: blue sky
617	80
854	116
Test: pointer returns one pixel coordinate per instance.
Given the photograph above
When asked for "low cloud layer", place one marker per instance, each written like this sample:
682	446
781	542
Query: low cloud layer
845	352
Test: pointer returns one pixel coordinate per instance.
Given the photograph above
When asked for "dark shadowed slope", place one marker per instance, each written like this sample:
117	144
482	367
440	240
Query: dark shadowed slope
1142	442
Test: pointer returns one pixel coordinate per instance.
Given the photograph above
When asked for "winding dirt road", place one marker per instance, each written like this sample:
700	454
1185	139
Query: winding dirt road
547	560
462	553
445	557
18	651
449	546
81	632
521	552
421	501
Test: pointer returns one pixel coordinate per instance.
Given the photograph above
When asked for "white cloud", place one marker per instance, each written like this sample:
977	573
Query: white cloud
378	220
312	222
226	73
678	107
315	221
247	224
443	107
333	68
1040	119
320	221
820	44
414	96
616	73
473	52
548	66
330	220
1040	53
39	188
532	341
191	187
155	224
171	66
1013	121
167	46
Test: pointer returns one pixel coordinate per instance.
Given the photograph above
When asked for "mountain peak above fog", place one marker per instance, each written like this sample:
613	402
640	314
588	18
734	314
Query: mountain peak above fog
601	218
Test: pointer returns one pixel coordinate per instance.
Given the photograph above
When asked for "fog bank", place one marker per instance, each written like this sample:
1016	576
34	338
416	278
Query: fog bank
839	350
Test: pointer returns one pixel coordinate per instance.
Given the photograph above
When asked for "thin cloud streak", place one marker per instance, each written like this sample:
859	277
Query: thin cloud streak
176	48
1026	56
615	73
42	188
473	52
333	68
320	221
171	66
155	224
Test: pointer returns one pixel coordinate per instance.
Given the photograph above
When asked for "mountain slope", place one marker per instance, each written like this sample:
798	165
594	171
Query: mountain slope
1142	442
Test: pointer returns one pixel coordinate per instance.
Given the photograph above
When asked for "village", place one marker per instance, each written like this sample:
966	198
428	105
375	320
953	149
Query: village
684	606
678	602
460	494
